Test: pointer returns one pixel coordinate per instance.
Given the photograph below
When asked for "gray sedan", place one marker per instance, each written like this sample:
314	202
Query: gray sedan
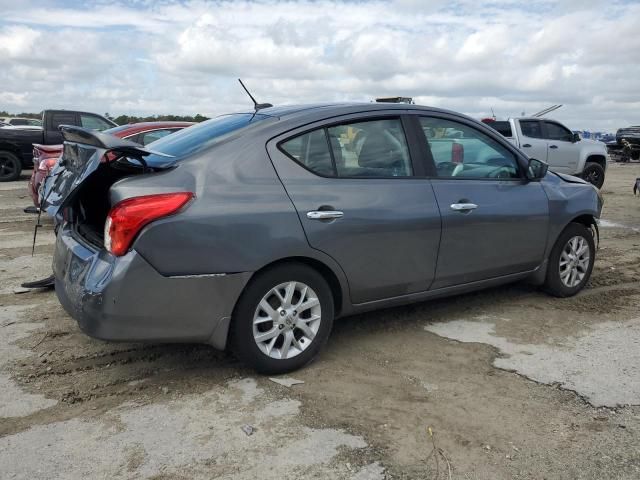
256	230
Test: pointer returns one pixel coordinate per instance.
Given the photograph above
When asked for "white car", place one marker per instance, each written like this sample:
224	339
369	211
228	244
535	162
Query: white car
20	121
553	143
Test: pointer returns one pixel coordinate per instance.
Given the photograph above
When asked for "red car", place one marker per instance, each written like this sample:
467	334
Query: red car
45	156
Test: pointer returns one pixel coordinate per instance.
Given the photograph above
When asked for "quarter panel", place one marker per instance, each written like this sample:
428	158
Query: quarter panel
240	220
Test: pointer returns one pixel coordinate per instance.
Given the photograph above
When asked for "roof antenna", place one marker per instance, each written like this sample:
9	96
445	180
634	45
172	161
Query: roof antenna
256	105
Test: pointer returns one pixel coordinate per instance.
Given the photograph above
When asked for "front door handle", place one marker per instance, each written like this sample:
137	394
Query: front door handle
553	146
324	214
463	207
527	145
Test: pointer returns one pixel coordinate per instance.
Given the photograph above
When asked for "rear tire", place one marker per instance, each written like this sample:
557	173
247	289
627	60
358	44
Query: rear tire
594	174
274	328
10	166
571	261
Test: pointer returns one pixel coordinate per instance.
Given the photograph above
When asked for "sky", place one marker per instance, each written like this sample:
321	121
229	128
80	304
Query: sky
184	57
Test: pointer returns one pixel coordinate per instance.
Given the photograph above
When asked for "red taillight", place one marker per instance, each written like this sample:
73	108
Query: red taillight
108	157
457	153
47	164
126	219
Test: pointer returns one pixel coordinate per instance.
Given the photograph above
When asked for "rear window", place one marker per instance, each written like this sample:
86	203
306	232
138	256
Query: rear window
503	128
58	119
204	135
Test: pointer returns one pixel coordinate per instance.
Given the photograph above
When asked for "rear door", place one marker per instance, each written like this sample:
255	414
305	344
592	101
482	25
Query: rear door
532	141
563	153
494	222
362	199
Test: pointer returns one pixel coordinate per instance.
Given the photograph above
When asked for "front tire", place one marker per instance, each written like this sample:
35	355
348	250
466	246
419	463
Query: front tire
283	319
594	174
10	166
571	261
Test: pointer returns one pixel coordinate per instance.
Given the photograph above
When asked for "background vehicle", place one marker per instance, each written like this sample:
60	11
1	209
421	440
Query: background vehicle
45	156
16	143
258	229
626	145
553	143
17	121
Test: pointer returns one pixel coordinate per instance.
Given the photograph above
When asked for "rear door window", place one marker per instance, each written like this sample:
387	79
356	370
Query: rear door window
58	119
531	128
311	150
375	148
503	128
369	149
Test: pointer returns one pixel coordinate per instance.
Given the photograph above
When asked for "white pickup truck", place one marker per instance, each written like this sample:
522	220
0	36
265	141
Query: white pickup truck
555	144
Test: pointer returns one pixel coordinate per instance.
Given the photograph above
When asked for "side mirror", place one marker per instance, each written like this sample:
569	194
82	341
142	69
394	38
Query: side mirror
536	169
576	137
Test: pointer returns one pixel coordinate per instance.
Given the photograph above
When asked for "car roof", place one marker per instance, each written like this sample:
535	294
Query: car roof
342	108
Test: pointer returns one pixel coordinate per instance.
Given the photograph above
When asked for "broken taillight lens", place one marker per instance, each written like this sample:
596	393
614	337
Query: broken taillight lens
47	164
127	218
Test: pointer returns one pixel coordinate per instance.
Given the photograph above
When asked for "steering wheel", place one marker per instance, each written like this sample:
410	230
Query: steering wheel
501	172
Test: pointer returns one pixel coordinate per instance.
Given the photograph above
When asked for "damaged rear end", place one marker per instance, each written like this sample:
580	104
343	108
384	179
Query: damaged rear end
101	280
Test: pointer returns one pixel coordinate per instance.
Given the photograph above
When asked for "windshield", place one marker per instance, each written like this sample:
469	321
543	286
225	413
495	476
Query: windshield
204	135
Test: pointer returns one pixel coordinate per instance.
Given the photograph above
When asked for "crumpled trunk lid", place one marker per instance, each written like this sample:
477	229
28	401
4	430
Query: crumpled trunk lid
83	152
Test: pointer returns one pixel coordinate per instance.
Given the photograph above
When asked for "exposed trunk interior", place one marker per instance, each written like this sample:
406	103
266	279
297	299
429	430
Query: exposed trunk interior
90	205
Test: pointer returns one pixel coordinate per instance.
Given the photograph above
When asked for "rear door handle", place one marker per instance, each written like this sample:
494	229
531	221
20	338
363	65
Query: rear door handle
553	146
324	214
527	145
463	207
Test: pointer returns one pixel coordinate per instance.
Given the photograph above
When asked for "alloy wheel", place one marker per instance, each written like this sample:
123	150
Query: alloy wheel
287	320
574	261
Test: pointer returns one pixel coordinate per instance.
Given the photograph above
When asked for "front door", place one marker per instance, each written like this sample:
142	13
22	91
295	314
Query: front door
359	201
563	153
532	141
494	222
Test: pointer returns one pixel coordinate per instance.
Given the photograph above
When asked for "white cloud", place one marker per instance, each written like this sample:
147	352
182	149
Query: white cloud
183	57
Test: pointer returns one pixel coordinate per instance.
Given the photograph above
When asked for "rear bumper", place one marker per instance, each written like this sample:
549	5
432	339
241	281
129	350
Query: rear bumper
126	299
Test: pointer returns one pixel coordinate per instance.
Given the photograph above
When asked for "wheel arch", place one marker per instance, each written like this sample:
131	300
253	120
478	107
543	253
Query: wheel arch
586	219
590	222
339	291
598	158
335	285
11	148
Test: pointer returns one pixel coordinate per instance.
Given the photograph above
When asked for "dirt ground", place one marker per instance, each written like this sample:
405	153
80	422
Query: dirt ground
513	384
